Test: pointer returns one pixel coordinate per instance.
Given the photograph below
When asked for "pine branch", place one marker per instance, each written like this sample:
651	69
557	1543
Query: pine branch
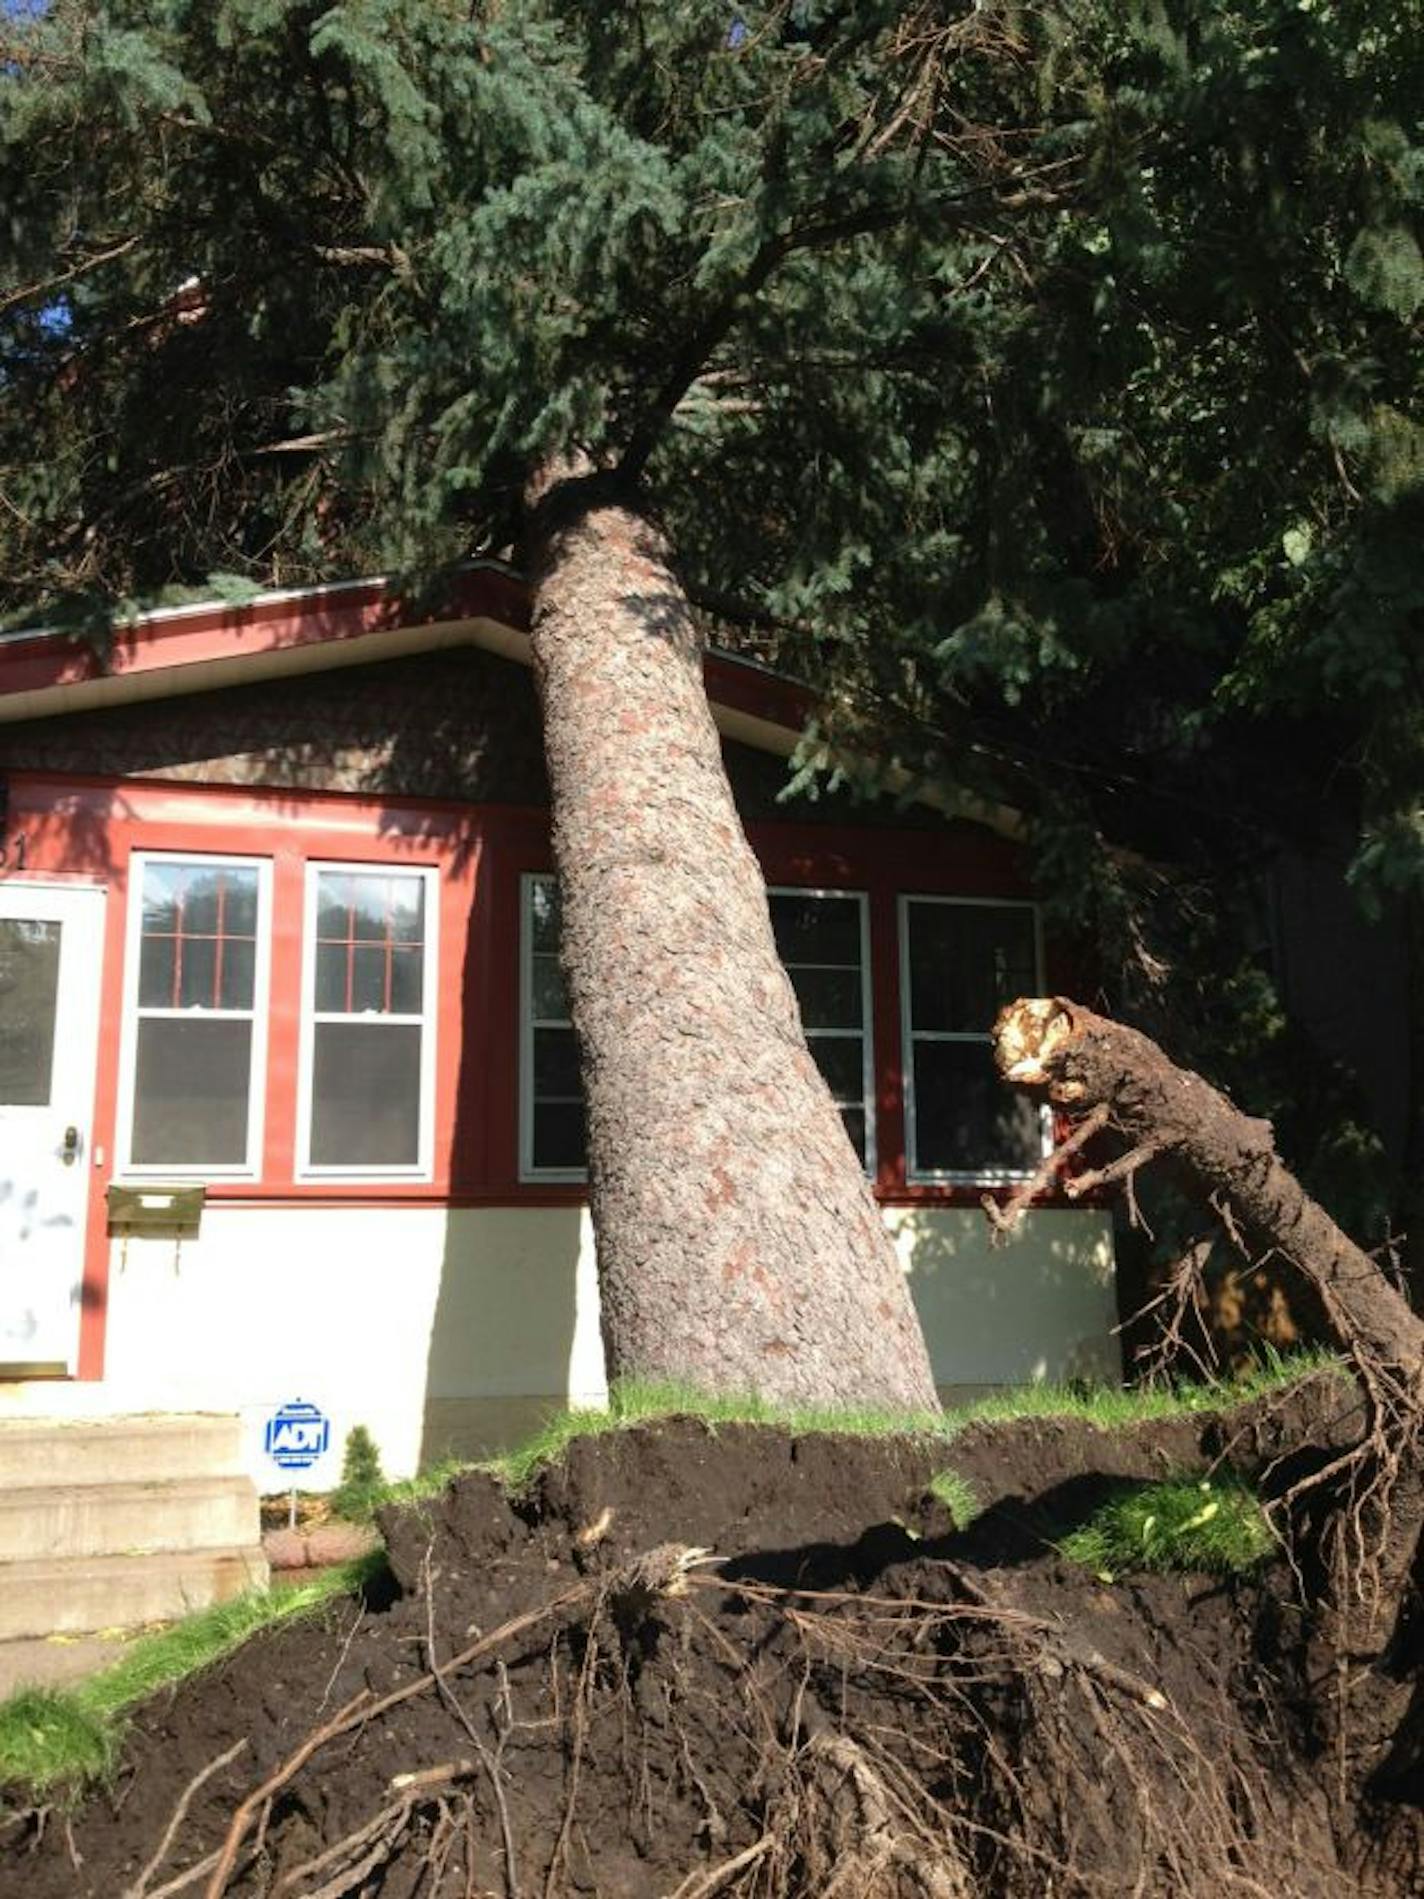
47	286
691	360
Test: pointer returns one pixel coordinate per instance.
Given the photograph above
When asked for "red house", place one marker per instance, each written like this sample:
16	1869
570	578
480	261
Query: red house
289	1102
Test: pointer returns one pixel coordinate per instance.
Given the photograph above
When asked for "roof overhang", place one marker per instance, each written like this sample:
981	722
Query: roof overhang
51	672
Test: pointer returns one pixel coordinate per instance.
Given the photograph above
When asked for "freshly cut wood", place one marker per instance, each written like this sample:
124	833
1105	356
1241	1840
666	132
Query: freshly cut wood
739	1244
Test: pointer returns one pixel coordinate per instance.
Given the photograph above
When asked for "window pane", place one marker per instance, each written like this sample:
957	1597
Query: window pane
559	1135
370	943
556	1063
406	897
407	978
368	979
190	1092
163	888
829	998
334	903
816	929
544	913
966	961
197	981
29	981
365	1109
966	1120
157	960
546	990
854	1119
841	1061
197	919
239	975
331	967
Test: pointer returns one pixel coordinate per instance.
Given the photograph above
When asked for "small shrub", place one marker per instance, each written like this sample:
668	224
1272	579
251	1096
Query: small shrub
363	1482
1214	1525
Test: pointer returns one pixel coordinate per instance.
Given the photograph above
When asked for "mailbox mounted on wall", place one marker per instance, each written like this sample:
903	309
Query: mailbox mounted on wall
156	1213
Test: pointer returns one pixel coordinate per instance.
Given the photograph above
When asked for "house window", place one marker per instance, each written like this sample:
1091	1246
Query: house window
195	1014
552	1134
822	937
961	960
368	1021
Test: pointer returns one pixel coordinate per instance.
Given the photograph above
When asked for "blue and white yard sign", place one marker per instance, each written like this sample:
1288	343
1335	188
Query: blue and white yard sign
297	1435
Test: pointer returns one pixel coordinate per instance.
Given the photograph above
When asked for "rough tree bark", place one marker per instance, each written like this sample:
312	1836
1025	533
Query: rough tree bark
1102	1071
739	1245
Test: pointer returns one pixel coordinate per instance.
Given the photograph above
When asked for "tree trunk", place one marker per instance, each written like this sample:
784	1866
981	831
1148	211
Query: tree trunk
1411	1199
739	1245
1087	1062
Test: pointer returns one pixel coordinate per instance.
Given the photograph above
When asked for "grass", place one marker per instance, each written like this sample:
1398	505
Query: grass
1108	1407
53	1740
957	1495
1216	1526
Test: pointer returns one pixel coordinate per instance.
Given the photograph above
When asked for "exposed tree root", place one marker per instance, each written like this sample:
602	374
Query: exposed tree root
1370	1494
842	1804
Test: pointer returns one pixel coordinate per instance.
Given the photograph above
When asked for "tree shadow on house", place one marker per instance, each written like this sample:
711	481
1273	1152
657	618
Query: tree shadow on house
1040	1308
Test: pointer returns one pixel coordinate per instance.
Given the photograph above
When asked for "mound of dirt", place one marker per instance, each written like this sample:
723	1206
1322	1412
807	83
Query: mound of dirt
689	1662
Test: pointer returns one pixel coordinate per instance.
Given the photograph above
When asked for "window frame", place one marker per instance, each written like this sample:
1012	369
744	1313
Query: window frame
866	1031
251	1167
304	1169
915	1175
529	1174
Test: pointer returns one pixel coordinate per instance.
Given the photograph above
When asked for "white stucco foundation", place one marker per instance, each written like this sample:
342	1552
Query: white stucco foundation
457	1330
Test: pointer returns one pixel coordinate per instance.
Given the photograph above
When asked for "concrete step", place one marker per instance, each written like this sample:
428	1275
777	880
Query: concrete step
78	1594
43	1520
39	1452
47	1663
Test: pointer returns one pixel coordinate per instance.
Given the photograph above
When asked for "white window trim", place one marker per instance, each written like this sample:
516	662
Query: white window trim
251	1167
528	1172
956	1176
867	1008
422	1168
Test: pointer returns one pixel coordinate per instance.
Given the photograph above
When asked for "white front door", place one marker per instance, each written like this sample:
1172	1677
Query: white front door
50	940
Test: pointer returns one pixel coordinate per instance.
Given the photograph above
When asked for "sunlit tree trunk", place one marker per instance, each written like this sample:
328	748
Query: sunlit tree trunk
739	1245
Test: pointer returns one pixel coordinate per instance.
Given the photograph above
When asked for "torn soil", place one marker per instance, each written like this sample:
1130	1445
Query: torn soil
741	1662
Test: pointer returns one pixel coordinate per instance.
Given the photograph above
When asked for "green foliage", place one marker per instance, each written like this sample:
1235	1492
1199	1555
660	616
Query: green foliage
1069	353
363	1483
1216	1526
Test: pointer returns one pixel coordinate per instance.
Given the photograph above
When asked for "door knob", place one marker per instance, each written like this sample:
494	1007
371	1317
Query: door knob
69	1151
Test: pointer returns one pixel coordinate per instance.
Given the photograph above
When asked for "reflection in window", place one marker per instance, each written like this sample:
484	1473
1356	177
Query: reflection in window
29	988
554	1130
962	962
821	940
368	1029
196	1012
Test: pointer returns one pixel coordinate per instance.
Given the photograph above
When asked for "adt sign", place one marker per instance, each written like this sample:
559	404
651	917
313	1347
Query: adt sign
297	1435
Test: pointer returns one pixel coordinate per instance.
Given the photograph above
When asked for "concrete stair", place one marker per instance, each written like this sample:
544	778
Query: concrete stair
107	1524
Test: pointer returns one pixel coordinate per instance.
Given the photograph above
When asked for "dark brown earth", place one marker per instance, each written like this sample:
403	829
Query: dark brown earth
853	1698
